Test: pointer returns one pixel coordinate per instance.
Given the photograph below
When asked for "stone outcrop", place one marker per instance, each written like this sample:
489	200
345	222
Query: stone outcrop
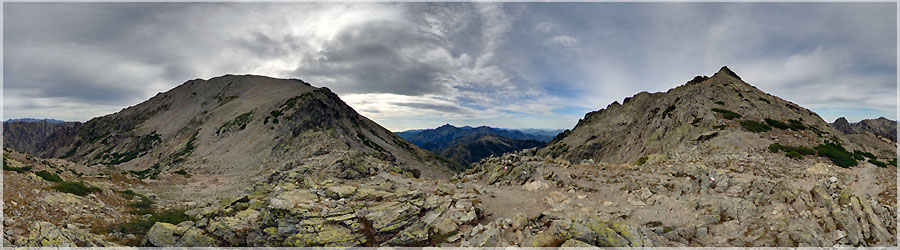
45	234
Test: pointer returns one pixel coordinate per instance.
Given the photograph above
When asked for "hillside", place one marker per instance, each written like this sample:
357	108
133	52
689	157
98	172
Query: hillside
227	129
472	148
882	127
30	136
712	163
441	137
722	108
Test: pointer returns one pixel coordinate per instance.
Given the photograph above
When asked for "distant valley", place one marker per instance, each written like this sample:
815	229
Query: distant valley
465	145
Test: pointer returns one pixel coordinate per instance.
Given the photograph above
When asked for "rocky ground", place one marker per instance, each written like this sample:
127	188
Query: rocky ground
702	197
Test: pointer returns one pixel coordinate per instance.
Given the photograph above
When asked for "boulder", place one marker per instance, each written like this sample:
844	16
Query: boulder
45	234
167	235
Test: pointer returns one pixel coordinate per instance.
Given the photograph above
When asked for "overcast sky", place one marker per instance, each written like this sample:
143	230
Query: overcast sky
421	65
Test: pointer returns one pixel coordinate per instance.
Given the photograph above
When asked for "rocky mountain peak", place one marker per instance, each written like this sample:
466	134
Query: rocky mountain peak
722	110
725	71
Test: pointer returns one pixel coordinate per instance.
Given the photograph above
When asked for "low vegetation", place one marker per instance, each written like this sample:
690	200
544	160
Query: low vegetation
14	169
777	124
236	124
878	163
76	188
755	126
837	154
727	114
142	144
47	176
857	154
792	152
796	125
641	160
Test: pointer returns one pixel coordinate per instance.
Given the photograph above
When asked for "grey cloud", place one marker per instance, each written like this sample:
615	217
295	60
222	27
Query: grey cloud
437	107
378	57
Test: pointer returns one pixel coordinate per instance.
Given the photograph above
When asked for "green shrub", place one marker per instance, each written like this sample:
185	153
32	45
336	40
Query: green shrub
892	162
76	188
16	169
859	154
837	154
796	125
727	114
878	163
181	172
641	160
720	102
792	152
777	124
720	126
754	126
47	176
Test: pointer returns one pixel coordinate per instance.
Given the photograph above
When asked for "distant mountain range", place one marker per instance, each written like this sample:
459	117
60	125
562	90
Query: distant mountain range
35	120
465	145
881	127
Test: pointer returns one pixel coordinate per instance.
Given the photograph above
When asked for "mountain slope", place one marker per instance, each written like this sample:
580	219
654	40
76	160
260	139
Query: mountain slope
472	148
441	137
234	127
881	127
29	136
721	108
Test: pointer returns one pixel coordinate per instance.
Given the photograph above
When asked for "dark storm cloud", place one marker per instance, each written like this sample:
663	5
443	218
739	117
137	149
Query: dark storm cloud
377	57
419	64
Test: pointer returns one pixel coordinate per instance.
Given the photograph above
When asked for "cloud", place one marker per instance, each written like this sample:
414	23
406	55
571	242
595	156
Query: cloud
409	65
565	41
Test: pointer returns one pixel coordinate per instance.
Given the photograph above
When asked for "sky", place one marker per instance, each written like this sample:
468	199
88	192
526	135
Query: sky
422	65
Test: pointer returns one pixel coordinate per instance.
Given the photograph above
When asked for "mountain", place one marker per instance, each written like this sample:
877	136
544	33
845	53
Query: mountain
714	162
881	127
34	120
545	134
439	138
464	145
722	108
28	135
474	147
236	127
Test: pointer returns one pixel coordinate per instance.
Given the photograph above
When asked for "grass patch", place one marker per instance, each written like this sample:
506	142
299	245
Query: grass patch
792	152
754	126
641	160
837	154
182	155
15	169
878	163
795	125
727	114
47	176
720	102
143	145
236	124
777	124
181	172
370	143
892	162
76	188
860	154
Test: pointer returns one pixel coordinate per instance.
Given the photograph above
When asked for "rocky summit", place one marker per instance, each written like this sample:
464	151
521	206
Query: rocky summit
257	161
